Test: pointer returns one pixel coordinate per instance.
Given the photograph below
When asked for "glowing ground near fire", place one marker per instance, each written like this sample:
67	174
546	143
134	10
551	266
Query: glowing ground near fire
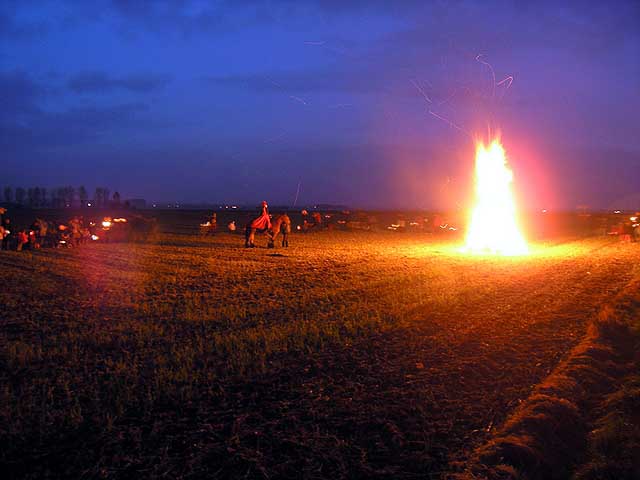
346	355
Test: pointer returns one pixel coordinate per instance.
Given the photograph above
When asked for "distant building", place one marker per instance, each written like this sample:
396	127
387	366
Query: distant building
329	206
138	203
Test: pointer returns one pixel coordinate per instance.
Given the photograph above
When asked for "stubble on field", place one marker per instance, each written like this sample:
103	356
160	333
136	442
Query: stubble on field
344	355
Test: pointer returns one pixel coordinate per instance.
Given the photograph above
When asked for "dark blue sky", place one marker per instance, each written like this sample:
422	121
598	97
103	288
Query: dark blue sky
239	101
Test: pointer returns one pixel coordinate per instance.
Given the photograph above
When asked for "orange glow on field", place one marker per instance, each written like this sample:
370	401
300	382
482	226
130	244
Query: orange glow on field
493	227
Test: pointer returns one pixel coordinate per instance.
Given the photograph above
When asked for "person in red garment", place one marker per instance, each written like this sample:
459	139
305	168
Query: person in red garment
261	224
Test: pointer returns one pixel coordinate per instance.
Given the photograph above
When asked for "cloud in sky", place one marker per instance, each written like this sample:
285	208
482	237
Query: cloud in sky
18	94
101	82
26	127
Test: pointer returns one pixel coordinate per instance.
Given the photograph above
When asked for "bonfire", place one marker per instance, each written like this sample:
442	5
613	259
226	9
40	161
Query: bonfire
493	227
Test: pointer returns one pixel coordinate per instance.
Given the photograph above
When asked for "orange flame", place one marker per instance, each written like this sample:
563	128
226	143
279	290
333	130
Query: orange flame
494	227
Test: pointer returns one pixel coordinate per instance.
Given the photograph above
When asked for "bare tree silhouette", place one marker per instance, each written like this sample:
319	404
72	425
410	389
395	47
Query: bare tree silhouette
83	196
98	197
20	194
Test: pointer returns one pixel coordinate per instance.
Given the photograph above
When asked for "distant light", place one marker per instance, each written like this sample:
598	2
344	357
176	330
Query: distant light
544	210
234	206
154	205
88	204
95	237
617	211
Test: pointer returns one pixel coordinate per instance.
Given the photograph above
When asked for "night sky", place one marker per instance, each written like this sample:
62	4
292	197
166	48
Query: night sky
365	103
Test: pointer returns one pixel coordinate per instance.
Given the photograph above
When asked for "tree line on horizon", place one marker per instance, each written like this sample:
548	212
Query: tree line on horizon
60	197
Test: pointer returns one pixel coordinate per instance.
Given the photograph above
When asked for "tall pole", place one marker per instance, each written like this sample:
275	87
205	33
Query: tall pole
297	193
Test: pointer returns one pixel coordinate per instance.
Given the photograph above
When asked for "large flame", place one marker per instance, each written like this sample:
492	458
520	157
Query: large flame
493	227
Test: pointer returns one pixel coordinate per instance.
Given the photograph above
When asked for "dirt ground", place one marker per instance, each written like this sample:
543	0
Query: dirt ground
347	355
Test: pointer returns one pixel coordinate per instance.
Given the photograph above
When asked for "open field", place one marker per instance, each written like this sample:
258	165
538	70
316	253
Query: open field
347	355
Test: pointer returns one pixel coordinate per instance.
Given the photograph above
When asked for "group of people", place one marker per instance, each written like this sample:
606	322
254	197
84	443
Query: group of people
211	225
630	228
263	221
313	221
43	234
